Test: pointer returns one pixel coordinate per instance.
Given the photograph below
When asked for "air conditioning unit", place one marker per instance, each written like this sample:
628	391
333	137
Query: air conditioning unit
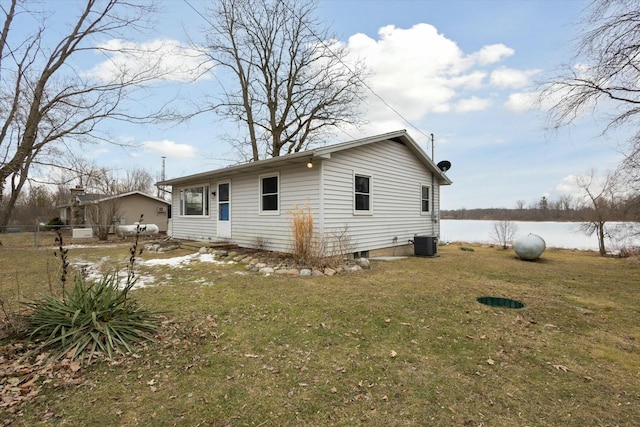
162	209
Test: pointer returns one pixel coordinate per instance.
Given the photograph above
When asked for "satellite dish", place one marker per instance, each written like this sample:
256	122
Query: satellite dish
444	165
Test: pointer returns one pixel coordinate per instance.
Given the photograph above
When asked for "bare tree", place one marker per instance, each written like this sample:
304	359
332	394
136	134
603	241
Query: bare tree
504	232
45	102
604	198
604	74
101	215
136	179
292	83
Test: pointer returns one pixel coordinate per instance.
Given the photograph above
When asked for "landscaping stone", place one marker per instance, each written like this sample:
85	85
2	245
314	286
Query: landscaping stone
282	271
260	265
317	273
239	258
247	260
329	271
305	272
232	254
352	268
266	270
202	250
293	272
363	263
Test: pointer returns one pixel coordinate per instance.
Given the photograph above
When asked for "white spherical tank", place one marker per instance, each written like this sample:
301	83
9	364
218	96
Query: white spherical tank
529	247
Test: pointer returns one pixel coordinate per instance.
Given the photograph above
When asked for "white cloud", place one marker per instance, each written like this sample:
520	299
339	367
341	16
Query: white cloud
171	149
492	53
510	78
161	59
472	104
419	71
522	102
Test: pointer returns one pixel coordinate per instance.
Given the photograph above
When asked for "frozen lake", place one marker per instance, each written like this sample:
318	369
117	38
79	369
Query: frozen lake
556	234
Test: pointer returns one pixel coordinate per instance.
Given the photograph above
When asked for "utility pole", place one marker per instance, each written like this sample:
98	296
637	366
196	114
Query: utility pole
433	149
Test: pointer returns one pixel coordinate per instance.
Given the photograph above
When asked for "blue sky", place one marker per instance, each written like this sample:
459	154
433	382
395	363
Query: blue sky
462	70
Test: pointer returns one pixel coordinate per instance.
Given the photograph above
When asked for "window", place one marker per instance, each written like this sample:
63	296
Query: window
269	194
223	202
425	199
195	201
362	186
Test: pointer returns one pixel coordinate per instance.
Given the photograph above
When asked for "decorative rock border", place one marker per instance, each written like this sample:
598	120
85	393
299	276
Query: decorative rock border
264	264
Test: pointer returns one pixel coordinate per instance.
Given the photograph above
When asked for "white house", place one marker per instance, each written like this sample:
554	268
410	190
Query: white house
382	191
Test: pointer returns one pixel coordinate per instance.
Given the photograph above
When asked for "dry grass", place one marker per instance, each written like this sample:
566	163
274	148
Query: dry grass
304	242
404	343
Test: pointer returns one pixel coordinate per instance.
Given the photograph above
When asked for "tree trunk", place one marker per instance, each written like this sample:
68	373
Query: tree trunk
601	245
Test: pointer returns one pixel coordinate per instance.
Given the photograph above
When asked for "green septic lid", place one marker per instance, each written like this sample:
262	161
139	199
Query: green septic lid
500	302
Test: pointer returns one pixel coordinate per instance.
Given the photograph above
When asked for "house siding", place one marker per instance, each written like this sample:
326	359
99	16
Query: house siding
396	179
397	174
131	207
193	228
298	186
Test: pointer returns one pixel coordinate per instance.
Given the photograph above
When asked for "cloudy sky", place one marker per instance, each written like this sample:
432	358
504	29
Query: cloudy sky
465	71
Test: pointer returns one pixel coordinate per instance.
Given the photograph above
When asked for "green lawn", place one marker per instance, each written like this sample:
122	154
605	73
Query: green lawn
404	343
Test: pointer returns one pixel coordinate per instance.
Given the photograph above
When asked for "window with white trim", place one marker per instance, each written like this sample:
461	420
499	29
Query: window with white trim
425	200
194	201
269	194
362	193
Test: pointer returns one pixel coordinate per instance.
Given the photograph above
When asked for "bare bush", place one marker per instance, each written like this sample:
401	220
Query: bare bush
316	249
504	232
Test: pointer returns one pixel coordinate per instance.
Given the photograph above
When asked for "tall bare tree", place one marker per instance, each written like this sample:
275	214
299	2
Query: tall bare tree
291	79
604	74
46	102
605	198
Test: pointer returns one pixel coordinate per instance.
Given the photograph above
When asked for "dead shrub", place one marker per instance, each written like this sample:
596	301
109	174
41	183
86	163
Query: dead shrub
314	249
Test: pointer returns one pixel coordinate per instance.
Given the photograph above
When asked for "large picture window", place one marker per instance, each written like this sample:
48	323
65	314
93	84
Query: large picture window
194	201
362	194
425	201
269	194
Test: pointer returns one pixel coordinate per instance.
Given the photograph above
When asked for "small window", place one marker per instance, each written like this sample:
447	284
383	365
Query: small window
425	199
362	186
223	201
195	201
269	194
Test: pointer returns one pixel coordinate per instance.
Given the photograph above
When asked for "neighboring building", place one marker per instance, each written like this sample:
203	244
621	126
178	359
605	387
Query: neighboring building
381	190
129	207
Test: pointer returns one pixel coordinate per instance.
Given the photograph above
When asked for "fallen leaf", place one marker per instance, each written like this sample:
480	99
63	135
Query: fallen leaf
334	390
74	366
490	361
561	368
393	354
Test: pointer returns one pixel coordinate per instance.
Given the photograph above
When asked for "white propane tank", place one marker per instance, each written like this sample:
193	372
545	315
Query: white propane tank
130	230
529	247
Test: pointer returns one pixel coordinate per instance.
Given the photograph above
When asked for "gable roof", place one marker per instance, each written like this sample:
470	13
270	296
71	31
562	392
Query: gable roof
104	198
86	199
400	136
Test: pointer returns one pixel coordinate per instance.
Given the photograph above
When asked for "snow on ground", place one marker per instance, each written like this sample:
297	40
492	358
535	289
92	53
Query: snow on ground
93	271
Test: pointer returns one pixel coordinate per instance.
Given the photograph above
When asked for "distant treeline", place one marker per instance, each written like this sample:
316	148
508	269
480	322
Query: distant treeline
536	214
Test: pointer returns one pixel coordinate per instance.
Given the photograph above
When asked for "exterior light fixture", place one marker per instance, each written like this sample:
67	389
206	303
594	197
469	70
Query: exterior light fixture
309	164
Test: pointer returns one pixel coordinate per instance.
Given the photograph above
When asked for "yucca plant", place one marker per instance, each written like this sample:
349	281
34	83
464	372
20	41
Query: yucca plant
92	317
